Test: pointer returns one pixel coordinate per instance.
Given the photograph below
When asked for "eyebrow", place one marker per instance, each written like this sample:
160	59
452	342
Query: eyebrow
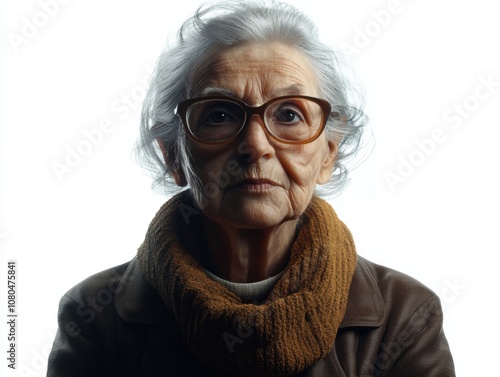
296	89
290	90
213	91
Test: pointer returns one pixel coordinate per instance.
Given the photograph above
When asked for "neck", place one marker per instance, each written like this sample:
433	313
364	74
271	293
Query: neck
247	255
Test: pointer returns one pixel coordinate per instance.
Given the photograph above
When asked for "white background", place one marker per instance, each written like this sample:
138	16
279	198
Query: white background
439	223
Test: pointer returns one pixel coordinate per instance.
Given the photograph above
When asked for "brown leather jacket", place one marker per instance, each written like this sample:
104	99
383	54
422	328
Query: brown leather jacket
113	324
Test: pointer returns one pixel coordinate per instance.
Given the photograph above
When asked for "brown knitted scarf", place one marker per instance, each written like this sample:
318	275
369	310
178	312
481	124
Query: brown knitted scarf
292	329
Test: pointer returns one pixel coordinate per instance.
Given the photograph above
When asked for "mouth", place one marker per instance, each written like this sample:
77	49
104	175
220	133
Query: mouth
254	185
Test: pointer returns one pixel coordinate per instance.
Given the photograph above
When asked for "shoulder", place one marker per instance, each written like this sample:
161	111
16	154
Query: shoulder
394	283
101	286
397	322
118	294
105	323
379	293
90	305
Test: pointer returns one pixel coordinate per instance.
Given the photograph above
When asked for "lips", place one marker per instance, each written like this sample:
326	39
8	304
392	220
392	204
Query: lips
254	183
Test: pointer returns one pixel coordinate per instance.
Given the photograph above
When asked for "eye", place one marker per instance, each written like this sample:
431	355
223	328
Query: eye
218	114
287	116
288	113
214	120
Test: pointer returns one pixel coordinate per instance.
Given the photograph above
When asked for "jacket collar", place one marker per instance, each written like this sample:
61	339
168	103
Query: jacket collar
365	306
136	301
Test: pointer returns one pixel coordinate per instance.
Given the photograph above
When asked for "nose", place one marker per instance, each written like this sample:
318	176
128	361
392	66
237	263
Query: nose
255	140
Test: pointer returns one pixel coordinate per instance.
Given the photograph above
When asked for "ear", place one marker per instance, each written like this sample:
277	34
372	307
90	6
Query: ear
328	164
170	158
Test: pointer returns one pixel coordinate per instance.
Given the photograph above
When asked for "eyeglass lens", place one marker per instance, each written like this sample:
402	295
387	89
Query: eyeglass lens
291	119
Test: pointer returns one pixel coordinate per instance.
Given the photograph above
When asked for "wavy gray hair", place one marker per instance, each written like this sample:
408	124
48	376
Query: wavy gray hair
226	24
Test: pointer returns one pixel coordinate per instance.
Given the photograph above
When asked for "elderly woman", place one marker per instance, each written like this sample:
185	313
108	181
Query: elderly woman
247	272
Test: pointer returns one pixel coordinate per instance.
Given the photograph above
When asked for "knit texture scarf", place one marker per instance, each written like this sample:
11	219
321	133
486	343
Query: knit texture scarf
292	329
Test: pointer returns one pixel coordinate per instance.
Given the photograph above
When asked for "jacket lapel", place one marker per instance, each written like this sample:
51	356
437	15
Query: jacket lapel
365	306
136	301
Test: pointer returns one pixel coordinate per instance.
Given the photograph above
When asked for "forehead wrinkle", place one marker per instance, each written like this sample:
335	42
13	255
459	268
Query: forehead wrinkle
258	87
295	89
256	75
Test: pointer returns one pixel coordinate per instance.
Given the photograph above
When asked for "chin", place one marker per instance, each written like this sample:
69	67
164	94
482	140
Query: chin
250	212
256	218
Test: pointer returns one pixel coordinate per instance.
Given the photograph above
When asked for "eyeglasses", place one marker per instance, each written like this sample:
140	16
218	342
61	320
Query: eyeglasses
221	119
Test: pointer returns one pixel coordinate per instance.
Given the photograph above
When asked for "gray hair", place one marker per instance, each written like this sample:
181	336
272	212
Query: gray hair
227	24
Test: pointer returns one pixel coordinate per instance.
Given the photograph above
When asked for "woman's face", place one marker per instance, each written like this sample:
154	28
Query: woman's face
256	181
